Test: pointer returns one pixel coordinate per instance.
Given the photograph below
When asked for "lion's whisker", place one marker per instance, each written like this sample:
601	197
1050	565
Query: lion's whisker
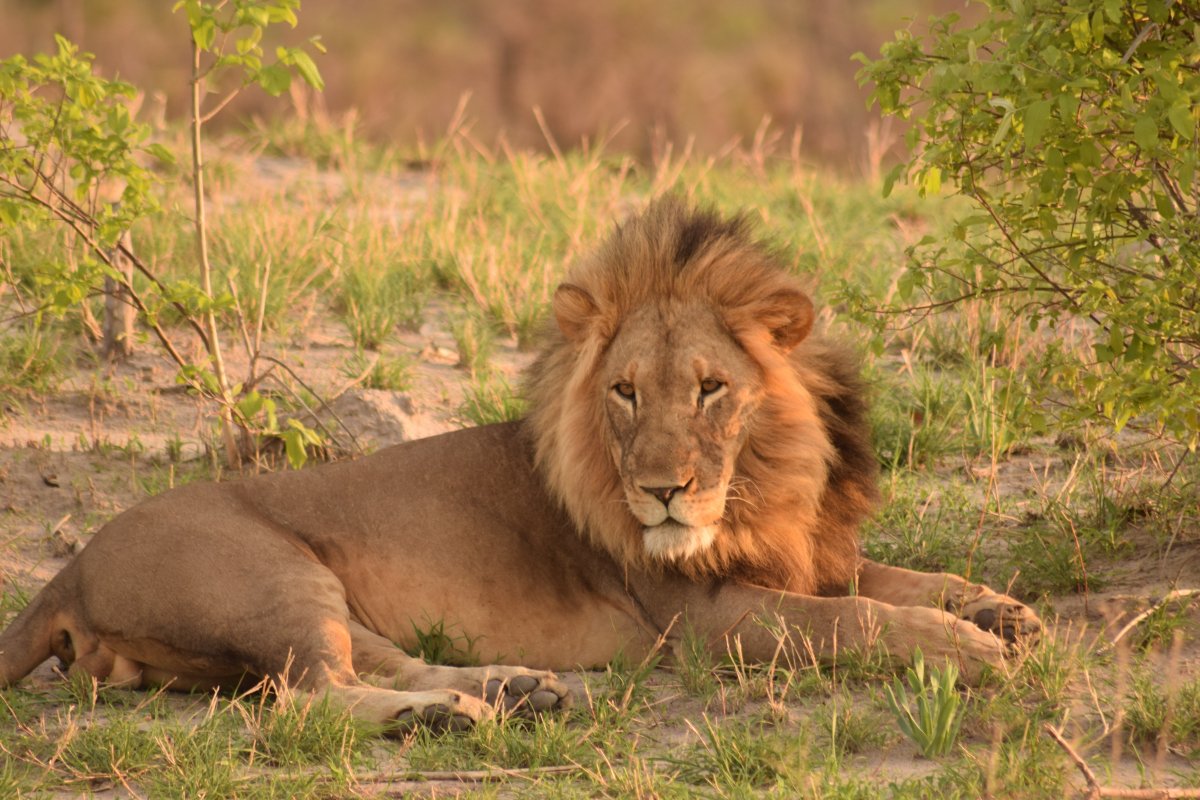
737	492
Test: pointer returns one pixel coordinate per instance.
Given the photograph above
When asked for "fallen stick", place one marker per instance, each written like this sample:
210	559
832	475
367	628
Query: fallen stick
463	776
1095	790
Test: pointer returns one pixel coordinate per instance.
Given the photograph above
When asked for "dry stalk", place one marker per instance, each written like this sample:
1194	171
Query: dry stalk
1094	790
210	318
465	776
311	412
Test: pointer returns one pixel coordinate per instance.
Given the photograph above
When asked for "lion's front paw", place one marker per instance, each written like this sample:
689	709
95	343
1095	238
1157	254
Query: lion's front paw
525	692
946	639
1001	615
440	712
975	650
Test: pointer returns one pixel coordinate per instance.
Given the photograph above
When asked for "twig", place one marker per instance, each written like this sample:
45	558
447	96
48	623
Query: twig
1143	34
1093	785
226	100
78	219
362	376
466	776
1095	790
1174	594
325	405
12	283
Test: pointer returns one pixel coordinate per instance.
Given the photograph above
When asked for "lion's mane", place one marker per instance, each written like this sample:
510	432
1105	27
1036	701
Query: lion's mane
805	478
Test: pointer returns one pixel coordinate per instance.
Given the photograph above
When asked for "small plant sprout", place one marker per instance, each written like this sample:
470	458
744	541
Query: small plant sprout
933	714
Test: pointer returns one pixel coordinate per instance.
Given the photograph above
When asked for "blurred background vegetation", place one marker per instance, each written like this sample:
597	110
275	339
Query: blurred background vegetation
643	73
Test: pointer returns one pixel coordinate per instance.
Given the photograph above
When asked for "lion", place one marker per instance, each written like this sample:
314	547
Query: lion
693	453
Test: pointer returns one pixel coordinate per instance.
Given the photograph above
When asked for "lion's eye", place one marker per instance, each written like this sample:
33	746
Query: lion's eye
625	389
709	385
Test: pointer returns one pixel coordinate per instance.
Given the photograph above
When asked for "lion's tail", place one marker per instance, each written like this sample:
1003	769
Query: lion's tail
27	642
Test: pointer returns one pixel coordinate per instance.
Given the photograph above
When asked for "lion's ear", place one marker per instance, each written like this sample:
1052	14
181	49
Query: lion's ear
574	310
789	316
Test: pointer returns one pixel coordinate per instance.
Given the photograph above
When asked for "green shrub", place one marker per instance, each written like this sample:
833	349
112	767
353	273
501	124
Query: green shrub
1071	127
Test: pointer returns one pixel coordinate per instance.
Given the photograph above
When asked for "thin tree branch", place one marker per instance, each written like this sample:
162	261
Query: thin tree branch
1094	790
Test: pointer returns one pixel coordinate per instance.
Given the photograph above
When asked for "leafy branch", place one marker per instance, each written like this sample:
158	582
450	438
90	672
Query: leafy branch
72	155
1071	126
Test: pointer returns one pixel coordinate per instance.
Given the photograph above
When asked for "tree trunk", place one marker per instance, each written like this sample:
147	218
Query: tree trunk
117	343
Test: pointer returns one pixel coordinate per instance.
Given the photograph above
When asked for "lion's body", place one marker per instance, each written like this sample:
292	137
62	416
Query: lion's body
511	573
690	452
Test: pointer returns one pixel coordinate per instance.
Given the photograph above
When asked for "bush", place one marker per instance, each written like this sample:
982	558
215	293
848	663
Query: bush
1071	127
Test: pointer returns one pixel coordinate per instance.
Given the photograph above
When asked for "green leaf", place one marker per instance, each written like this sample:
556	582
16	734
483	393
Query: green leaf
1145	132
204	30
1081	34
1037	117
249	41
889	180
1164	205
160	152
308	70
250	405
1182	121
293	443
932	182
274	79
10	212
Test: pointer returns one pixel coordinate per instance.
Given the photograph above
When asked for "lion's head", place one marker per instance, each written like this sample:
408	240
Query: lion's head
683	417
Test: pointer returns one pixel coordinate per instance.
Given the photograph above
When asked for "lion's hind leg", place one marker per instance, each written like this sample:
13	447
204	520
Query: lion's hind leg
974	602
518	690
229	606
315	658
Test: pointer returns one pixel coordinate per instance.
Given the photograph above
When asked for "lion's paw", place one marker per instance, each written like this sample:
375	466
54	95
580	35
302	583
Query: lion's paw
975	650
439	712
944	639
1000	614
525	692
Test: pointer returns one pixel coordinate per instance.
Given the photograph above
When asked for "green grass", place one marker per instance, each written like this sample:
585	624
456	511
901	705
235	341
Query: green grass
31	360
739	756
475	338
923	524
851	730
374	302
491	398
1160	715
111	737
379	371
507	744
437	642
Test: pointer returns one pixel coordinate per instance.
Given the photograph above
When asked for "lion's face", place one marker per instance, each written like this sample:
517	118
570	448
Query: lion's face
676	415
678	394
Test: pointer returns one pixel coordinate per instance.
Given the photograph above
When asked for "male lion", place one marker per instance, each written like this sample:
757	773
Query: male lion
691	453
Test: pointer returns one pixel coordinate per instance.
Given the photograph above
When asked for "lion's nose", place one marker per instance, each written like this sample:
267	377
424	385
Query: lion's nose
665	493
